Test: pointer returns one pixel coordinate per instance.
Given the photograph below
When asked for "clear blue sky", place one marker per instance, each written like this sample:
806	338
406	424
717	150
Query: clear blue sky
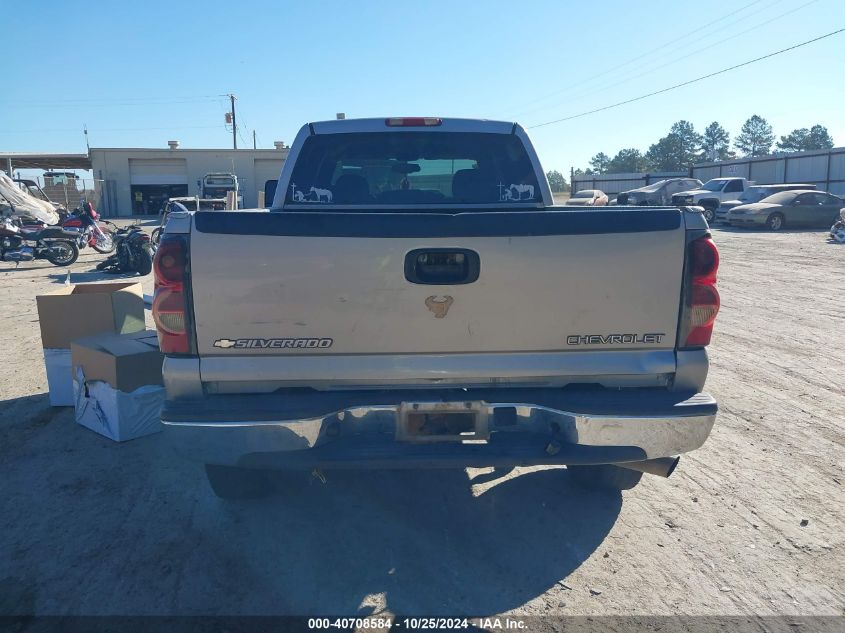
140	74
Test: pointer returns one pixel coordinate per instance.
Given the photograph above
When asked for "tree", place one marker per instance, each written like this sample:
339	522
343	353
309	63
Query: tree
803	139
627	161
794	141
665	154
715	143
600	163
819	138
688	140
556	181
755	137
677	150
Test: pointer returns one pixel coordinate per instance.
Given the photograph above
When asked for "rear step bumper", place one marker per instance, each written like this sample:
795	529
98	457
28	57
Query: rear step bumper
359	429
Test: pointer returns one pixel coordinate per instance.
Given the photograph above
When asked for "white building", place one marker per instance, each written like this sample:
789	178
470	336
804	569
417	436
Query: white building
139	180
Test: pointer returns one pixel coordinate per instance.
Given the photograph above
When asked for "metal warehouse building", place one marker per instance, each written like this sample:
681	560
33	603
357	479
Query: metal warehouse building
139	180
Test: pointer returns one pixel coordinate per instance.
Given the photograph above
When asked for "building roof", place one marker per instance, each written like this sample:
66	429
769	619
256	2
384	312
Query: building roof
280	153
34	160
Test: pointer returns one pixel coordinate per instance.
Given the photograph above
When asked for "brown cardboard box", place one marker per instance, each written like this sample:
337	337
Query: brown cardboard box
124	361
88	309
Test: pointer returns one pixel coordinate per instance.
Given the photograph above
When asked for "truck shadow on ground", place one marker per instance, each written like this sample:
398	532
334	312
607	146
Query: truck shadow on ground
423	541
131	528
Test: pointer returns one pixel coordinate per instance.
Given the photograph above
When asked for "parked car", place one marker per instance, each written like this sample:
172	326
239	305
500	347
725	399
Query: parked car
388	312
657	193
711	194
754	194
792	209
588	197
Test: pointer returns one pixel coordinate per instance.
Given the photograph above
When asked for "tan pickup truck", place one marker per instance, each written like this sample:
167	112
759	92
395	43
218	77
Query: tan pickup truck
414	299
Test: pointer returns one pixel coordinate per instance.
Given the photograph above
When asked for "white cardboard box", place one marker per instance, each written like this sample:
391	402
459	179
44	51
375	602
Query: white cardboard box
118	415
59	377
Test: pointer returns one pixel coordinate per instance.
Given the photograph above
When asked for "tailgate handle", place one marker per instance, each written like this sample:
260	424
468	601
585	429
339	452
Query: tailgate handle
442	266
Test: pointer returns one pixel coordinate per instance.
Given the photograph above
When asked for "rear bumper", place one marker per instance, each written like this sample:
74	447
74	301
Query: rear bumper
358	429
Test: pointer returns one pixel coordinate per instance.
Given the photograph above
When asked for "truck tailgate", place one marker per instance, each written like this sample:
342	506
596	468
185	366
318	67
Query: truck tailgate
276	285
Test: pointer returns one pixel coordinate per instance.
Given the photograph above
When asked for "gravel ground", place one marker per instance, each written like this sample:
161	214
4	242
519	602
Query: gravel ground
752	523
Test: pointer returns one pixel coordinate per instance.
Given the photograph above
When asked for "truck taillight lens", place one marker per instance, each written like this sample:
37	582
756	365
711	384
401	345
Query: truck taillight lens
170	305
701	299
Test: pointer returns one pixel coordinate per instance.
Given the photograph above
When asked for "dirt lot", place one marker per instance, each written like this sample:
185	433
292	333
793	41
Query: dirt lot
750	524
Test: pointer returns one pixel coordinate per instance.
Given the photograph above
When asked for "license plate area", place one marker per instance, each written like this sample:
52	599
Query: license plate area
442	422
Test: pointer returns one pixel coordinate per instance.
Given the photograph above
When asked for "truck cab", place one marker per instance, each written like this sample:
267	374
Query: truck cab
711	194
215	186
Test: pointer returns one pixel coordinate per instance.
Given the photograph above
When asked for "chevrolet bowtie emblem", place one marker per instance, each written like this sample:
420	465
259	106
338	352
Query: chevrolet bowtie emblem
439	305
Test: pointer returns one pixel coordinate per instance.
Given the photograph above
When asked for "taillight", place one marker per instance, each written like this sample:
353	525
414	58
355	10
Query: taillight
701	299
170	304
413	121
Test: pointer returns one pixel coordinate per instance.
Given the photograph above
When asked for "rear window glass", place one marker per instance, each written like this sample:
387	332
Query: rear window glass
224	182
783	197
409	168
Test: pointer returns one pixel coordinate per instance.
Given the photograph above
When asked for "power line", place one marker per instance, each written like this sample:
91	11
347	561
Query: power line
690	54
684	38
691	81
726	39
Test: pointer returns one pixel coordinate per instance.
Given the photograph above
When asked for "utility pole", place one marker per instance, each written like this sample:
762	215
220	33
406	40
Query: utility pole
234	123
254	146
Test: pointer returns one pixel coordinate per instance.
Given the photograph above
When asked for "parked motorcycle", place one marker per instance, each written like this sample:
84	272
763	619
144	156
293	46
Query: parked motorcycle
52	243
86	223
837	231
133	252
95	232
163	215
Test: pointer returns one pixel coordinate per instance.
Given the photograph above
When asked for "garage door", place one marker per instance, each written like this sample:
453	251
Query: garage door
162	171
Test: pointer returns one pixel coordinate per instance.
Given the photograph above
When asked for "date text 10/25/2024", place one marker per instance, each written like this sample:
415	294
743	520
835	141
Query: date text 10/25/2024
415	624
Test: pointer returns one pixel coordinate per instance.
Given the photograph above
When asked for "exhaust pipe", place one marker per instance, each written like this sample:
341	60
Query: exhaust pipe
662	466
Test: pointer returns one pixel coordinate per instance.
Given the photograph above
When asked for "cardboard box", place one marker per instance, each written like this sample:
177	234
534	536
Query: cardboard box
117	384
80	310
124	361
59	377
118	415
83	310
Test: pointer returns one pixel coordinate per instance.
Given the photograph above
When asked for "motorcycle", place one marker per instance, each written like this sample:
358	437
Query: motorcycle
94	232
837	231
52	243
133	252
86	223
163	215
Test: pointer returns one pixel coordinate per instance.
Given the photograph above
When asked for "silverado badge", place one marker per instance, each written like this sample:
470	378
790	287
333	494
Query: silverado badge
273	343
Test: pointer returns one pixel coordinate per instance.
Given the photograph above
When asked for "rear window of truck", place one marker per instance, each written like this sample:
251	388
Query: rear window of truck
412	168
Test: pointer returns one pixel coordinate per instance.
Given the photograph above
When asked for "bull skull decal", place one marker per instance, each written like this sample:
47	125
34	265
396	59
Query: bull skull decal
439	305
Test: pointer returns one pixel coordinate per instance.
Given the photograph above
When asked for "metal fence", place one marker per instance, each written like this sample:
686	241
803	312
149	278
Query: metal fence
613	184
823	168
68	190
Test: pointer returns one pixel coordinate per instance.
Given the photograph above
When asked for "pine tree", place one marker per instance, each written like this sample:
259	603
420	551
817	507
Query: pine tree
755	137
